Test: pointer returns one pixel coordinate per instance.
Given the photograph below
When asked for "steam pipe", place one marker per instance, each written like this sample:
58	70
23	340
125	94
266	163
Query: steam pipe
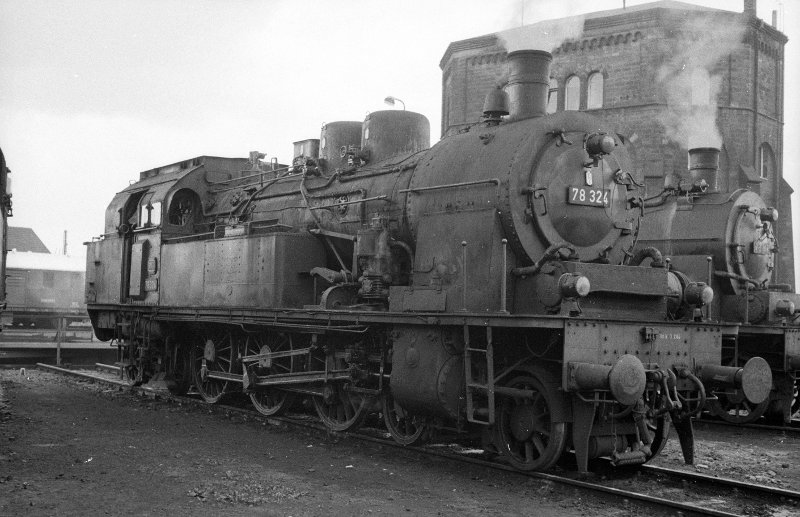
649	252
549	254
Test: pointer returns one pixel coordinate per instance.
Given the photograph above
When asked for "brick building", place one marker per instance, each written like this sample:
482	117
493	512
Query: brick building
669	75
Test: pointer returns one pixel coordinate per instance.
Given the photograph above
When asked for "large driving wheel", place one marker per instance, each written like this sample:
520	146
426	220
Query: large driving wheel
214	352
525	432
405	428
270	401
339	409
734	407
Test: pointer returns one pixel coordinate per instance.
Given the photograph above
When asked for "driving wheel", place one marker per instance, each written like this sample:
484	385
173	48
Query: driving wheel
525	432
270	401
734	407
339	409
213	352
405	428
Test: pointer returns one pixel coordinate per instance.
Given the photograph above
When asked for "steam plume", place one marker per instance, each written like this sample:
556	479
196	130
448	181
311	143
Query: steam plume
691	81
545	35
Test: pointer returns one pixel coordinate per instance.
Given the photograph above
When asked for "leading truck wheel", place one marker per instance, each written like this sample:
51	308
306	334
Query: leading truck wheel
525	432
658	428
748	402
734	407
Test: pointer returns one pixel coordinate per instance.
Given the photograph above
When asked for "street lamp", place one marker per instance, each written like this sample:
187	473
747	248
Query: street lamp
391	101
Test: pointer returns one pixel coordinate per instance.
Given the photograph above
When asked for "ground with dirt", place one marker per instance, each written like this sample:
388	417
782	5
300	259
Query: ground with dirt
763	457
74	448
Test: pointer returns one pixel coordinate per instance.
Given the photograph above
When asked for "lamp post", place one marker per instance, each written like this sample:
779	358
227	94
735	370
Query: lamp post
392	100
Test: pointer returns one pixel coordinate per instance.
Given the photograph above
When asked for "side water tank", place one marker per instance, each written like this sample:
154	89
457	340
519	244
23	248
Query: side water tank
390	132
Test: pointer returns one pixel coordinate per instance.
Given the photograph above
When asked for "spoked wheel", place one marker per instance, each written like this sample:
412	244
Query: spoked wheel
270	401
658	427
525	432
339	409
213	353
405	428
733	407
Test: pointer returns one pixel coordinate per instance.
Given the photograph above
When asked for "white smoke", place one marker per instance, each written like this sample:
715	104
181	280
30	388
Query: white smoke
691	81
545	35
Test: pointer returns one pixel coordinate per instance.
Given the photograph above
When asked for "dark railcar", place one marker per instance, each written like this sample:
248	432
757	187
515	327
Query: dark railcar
43	289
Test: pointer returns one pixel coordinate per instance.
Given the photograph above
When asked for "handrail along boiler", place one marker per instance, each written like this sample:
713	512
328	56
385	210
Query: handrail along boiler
485	285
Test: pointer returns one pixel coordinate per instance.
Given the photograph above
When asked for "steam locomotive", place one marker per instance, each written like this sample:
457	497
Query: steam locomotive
5	213
734	251
487	285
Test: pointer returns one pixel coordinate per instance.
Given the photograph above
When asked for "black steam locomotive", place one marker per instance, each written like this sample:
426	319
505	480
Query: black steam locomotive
727	240
5	213
487	285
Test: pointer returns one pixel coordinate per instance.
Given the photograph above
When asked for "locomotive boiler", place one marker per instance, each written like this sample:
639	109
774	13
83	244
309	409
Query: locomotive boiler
727	239
487	285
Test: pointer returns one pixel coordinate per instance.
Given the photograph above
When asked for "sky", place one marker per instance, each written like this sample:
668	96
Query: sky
95	91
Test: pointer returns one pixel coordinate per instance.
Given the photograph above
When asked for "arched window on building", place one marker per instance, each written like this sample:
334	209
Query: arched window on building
572	94
594	97
766	161
701	88
552	99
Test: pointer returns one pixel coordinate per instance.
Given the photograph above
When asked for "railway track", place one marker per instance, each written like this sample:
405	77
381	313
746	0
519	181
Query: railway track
793	427
686	493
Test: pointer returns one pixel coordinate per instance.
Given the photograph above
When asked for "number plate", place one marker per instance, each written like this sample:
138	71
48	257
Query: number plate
589	196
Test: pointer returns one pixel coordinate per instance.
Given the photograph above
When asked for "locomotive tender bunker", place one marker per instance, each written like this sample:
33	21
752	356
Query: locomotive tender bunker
482	286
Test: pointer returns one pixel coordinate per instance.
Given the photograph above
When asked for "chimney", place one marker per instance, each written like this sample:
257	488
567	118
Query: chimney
750	8
774	19
528	83
704	165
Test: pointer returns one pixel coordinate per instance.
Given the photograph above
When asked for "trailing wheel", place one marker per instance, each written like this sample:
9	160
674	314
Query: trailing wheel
405	428
734	407
181	375
270	401
525	432
213	352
